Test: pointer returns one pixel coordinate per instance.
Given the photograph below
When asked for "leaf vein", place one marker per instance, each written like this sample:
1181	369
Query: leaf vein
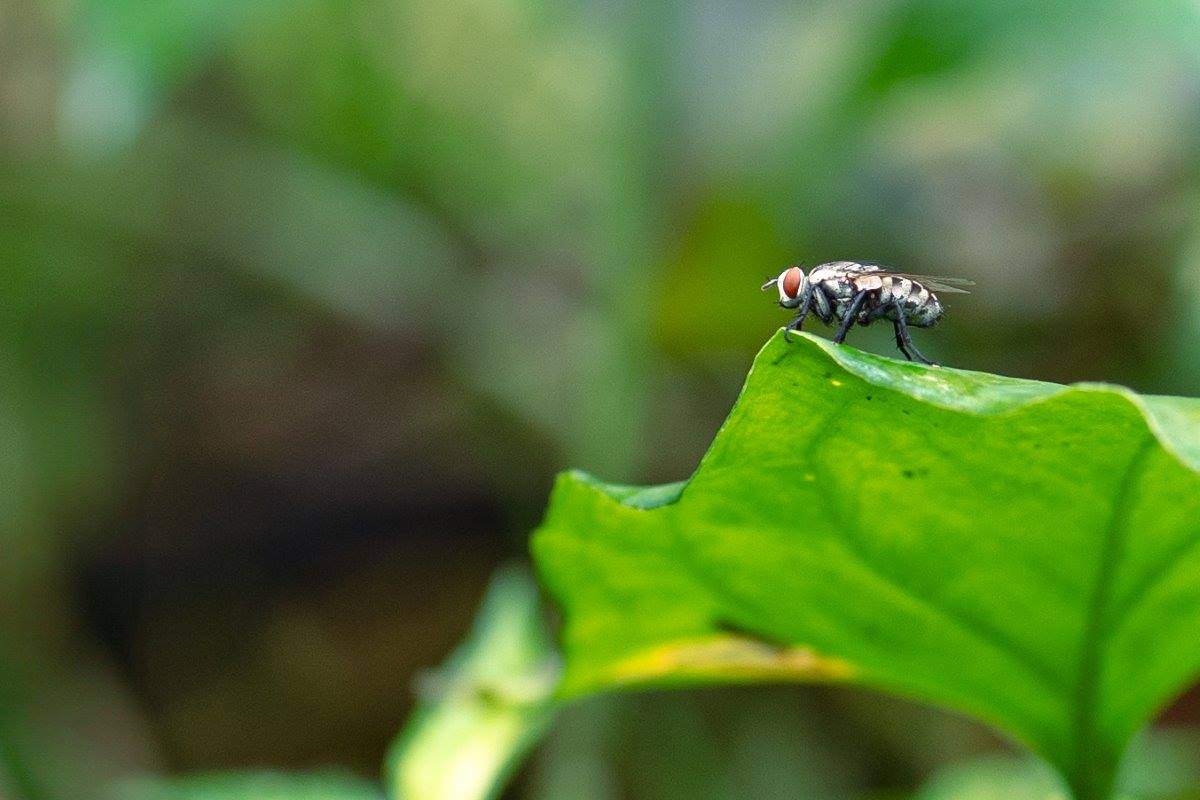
1089	777
1154	576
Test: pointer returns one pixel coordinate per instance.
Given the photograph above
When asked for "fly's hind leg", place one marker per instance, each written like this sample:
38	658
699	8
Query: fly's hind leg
850	316
900	344
904	339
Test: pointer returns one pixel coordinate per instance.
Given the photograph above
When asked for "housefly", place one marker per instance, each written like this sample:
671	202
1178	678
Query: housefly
862	293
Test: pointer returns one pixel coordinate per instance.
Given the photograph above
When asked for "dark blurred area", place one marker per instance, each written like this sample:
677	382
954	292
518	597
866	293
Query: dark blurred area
304	303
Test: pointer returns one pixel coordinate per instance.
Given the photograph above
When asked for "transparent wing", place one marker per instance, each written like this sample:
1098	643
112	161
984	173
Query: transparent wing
935	283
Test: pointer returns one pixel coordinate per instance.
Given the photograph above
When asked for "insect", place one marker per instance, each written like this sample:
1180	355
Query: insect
862	293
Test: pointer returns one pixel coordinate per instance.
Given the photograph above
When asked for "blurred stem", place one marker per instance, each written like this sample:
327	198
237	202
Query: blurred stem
1093	778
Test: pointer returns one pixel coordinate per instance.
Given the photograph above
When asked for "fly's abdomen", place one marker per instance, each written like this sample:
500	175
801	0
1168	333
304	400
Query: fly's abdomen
921	307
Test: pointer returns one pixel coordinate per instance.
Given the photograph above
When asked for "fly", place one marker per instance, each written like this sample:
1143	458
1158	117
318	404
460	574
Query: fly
862	293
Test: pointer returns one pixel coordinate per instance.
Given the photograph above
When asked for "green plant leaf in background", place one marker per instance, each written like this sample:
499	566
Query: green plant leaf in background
485	707
1164	765
1022	551
995	778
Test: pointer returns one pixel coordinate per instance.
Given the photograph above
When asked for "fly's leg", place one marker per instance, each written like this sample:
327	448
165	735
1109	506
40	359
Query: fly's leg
904	339
850	316
823	308
900	344
798	323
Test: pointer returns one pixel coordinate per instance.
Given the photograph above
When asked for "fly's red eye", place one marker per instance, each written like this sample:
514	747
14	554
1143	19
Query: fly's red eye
791	282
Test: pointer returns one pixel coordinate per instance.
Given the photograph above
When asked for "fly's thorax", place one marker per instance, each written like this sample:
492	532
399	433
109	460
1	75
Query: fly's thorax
845	267
832	270
838	278
839	288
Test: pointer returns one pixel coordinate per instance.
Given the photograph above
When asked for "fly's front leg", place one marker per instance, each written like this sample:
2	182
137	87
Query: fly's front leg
850	316
798	323
904	339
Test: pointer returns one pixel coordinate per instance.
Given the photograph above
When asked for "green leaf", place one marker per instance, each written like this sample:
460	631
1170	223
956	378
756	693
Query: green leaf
995	778
1022	551
249	786
1162	765
488	704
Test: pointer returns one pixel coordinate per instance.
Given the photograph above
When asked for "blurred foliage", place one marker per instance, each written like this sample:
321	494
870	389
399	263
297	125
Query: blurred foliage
305	303
993	779
486	707
251	786
1164	765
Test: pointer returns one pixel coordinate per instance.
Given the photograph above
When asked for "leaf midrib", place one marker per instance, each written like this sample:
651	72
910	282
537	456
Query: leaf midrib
1091	773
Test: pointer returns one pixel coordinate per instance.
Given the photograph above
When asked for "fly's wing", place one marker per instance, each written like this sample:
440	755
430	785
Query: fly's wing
934	283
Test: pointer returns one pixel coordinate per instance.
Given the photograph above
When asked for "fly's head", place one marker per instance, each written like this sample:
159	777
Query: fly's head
793	286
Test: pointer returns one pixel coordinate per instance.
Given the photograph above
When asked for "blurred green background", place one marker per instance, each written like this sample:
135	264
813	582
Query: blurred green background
304	303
